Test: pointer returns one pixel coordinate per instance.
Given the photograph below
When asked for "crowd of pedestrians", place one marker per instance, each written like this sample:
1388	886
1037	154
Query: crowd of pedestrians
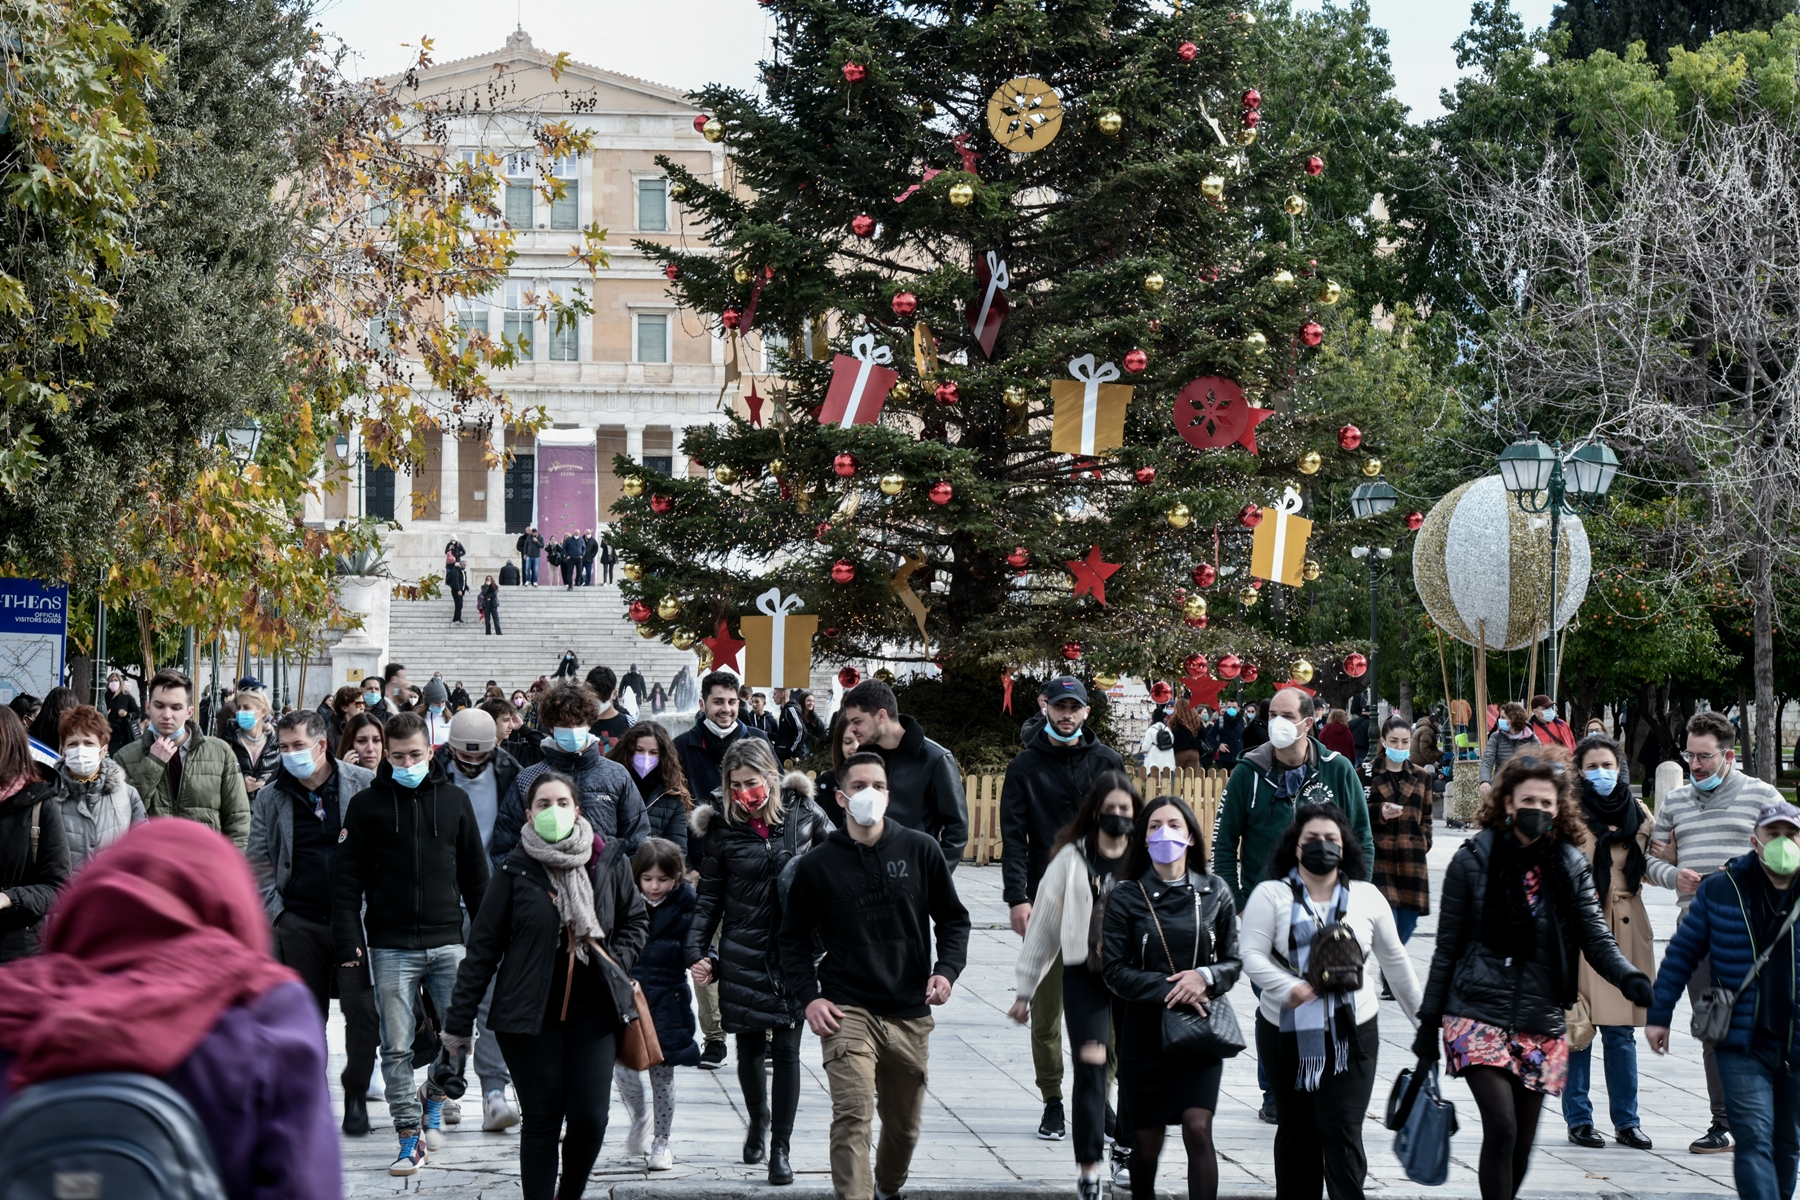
568	897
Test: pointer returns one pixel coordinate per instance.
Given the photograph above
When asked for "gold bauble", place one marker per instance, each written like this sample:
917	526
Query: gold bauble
1283	278
962	195
1109	123
678	190
885	675
1154	282
632	485
901	392
713	130
683	639
1310	570
1056	518
1193	608
632	572
668	608
1212	187
1330	292
1371	467
1248	597
1248	18
1303	671
1016	398
892	484
1103	682
741	273
1179	515
645	632
777	467
1255	342
1310	462
725	473
1295	204
1246	135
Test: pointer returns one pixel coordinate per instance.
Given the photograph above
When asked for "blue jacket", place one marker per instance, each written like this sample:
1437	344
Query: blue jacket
1715	924
661	969
609	799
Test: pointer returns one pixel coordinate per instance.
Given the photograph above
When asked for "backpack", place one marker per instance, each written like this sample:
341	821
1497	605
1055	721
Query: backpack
1164	739
114	1135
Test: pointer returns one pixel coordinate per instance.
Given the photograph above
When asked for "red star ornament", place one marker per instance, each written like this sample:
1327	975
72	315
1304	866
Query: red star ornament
1297	686
1204	689
1211	413
724	647
1091	574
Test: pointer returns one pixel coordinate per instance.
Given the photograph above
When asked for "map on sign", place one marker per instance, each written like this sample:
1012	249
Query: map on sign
33	633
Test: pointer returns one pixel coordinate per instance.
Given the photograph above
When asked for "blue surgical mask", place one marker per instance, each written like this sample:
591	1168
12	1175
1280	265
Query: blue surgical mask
1397	756
1503	724
1057	737
1707	785
1548	714
1231	712
1603	781
413	776
298	763
437	709
246	719
572	740
371	699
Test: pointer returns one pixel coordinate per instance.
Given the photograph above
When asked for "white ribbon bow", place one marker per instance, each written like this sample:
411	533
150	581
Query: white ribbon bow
998	281
1288	506
1083	369
777	607
867	353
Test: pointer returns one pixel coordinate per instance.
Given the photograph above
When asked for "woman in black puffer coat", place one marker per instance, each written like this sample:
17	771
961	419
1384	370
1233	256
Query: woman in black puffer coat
647	751
742	844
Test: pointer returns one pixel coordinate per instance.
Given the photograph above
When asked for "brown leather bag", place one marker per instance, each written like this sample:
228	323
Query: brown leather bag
639	1047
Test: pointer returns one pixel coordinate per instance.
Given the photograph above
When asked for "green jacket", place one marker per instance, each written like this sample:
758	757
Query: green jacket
1251	820
212	789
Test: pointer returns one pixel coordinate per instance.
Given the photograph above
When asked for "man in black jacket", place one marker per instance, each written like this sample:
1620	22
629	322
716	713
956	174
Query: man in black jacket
411	849
1045	784
759	717
530	547
590	550
572	547
716	726
456	582
924	784
873	895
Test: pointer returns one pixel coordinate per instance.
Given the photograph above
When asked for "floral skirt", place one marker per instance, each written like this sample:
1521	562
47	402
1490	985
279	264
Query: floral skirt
1540	1062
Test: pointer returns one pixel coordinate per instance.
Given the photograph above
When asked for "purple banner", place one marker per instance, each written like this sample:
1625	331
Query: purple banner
567	493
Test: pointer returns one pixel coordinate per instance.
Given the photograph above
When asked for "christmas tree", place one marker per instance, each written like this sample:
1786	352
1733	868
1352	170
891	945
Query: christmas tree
1044	299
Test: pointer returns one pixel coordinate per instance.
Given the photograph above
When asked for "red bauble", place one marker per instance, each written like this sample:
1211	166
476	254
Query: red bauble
1154	324
1252	99
905	304
855	72
1019	559
1312	333
1415	519
1071	650
661	504
1186	51
1161	692
948	393
843	571
700	122
845	464
1144	474
1349	437
1355	665
1230	666
730	318
1194	667
1250	516
1206	574
820	530
862	226
1136	361
1198	622
1315	165
673	272
1252	119
849	677
1257	584
941	492
1249	672
639	611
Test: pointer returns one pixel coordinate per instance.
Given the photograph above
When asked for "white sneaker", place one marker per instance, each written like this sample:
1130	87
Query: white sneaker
638	1140
661	1157
452	1111
412	1156
496	1113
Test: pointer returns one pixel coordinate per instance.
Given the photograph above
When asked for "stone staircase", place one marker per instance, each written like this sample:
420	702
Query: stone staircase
540	624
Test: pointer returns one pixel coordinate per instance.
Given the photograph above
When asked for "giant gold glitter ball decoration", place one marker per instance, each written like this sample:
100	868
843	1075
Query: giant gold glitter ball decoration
1179	515
1371	467
633	486
632	572
1246	135
1303	671
1248	597
962	195
1310	462
1310	570
683	639
1193	608
1482	567
1212	187
668	608
678	190
901	392
892	484
1104	682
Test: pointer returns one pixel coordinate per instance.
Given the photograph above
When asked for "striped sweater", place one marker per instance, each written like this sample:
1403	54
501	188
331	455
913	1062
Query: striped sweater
1710	828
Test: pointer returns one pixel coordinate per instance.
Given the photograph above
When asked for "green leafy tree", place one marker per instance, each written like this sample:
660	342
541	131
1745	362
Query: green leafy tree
1661	26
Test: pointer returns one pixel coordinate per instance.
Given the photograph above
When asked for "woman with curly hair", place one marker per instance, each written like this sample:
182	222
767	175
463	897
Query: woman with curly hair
648	752
1518	913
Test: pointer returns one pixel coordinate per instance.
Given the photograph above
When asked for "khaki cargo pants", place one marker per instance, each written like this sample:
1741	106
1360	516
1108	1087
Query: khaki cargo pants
875	1065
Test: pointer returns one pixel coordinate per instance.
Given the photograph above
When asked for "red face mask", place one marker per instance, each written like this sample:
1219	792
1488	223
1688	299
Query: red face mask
750	798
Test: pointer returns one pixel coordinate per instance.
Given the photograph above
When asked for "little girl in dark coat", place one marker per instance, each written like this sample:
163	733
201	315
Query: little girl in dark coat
661	971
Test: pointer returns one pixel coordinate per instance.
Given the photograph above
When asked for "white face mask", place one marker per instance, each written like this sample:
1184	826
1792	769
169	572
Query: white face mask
868	806
1282	732
83	760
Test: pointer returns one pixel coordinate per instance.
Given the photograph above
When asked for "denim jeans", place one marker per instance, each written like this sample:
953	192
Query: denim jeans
531	565
1405	921
1763	1103
398	974
1619	1044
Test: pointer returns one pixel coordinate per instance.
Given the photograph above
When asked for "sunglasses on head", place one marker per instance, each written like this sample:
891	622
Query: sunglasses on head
1532	760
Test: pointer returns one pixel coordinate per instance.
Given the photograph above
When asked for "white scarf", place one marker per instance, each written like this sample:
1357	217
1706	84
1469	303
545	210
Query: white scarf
1308	1022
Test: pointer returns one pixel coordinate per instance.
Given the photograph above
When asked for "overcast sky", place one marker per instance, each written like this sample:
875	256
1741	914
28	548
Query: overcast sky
685	43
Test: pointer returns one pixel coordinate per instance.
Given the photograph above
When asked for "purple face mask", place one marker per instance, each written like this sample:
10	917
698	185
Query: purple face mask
1165	845
643	764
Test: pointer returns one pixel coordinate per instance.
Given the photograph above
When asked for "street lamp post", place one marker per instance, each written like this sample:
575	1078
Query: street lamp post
1542	480
341	447
1376	556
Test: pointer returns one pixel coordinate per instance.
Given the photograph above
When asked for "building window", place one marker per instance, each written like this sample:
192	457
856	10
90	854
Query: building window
565	209
653	205
565	335
652	338
772	342
469	321
519	190
519	318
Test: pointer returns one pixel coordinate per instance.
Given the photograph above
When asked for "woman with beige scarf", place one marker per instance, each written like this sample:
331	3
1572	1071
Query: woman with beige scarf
558	931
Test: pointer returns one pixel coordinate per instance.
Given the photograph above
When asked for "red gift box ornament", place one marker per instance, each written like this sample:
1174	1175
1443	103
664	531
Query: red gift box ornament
986	318
860	382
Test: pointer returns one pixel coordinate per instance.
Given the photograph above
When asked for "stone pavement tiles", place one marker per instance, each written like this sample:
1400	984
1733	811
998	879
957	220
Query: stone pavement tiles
981	1116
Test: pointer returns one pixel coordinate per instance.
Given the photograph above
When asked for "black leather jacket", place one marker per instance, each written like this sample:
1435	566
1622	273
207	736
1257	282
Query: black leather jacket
925	789
1470	979
1199	925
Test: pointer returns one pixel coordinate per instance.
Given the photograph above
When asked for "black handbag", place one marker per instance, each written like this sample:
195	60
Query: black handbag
1186	1031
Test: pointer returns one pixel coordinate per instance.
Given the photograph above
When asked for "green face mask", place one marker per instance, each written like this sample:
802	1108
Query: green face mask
1781	856
556	823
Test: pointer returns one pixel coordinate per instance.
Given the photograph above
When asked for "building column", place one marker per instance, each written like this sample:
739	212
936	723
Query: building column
678	462
496	496
449	468
634	443
403	489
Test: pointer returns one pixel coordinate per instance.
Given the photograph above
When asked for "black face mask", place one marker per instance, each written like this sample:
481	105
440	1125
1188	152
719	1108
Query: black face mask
1534	823
1321	857
1116	824
470	770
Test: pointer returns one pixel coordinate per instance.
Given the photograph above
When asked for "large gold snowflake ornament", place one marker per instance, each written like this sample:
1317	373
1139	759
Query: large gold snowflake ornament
1025	115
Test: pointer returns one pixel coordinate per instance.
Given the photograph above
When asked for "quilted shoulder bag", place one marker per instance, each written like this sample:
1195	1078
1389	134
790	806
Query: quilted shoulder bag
1188	1031
1711	1024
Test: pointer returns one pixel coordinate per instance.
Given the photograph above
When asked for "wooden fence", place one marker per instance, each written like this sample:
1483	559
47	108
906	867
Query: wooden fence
1202	790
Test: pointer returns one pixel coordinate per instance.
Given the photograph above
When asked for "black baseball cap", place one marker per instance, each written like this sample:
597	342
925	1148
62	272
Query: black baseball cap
1064	687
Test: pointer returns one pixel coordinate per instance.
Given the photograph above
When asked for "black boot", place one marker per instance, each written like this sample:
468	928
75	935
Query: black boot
781	1172
753	1138
356	1111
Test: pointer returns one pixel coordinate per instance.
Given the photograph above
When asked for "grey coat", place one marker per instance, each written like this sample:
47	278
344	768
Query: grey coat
97	813
271	849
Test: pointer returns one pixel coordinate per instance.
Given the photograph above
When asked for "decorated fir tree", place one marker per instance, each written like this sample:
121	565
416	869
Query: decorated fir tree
1045	296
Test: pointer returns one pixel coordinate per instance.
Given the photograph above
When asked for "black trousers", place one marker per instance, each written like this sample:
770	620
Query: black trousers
307	947
490	621
563	1072
1318	1135
1087	1011
456	614
784	1046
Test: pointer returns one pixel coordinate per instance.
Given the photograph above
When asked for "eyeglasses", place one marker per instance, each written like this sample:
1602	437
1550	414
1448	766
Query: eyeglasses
1532	760
1703	759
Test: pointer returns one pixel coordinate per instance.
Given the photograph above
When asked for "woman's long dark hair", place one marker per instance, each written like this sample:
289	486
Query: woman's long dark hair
668	760
1087	817
354	726
1137	859
1286	855
15	750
